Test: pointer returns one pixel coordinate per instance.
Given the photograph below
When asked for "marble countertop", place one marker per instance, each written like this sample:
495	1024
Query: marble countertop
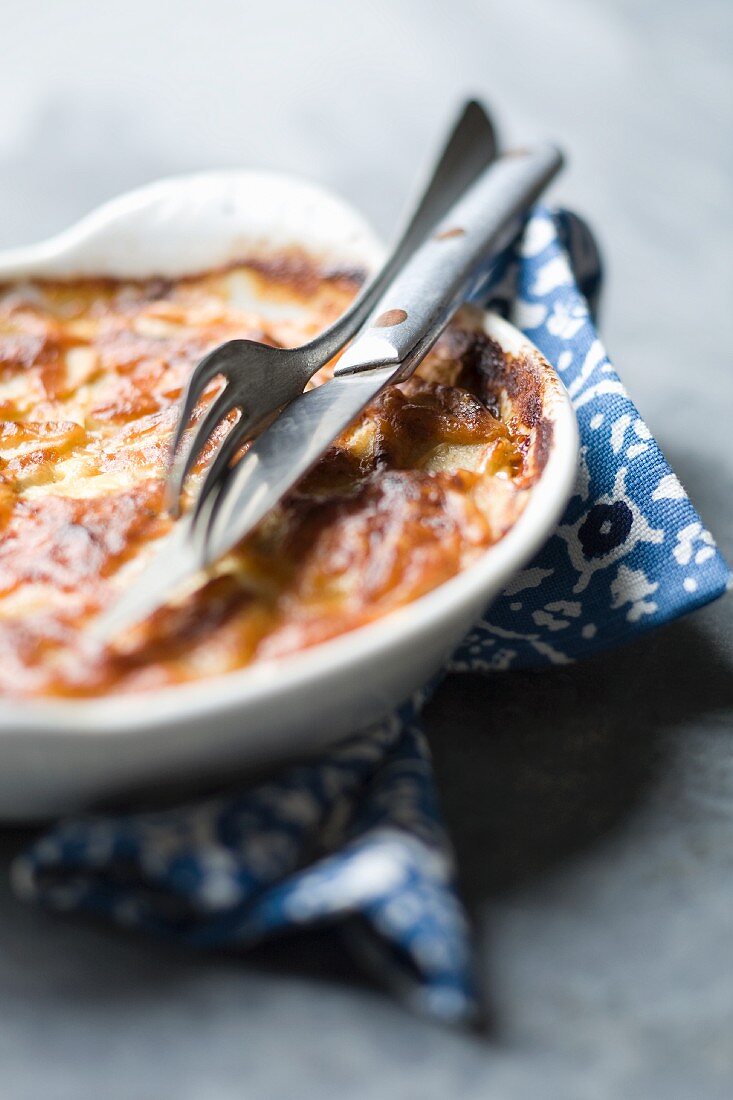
593	823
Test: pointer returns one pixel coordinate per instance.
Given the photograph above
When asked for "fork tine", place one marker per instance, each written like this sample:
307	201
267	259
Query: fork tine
220	407
239	434
211	506
212	364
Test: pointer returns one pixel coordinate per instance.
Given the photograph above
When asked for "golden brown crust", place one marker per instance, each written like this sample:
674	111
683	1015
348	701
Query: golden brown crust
91	373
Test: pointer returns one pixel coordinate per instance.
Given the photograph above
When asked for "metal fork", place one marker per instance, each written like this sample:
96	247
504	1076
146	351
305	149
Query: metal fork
260	379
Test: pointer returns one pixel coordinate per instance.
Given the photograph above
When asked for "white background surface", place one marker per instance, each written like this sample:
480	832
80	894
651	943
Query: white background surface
593	822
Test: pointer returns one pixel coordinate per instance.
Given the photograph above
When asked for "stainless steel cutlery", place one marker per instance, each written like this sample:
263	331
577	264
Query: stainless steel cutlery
472	208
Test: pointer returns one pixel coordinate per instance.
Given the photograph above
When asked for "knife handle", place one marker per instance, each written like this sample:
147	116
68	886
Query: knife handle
469	149
451	265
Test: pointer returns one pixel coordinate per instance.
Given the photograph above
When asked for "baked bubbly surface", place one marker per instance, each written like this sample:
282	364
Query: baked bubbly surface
91	373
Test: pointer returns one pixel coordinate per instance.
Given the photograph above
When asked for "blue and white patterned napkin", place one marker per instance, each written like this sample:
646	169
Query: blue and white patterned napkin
354	838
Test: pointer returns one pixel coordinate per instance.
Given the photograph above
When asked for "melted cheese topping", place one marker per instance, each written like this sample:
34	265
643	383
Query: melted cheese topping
91	373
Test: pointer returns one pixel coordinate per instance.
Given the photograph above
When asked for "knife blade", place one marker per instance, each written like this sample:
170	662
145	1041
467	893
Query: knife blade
289	448
283	454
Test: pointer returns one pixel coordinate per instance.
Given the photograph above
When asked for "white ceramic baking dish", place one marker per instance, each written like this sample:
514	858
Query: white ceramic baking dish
56	755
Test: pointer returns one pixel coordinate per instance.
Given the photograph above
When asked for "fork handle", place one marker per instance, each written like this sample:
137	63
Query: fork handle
452	265
469	149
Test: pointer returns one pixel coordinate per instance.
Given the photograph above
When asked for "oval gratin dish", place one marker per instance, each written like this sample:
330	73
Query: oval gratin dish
57	754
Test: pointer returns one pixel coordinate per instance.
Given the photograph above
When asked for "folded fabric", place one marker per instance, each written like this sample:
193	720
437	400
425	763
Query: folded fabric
354	839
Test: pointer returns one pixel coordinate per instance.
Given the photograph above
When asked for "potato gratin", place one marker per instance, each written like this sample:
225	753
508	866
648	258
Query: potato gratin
91	372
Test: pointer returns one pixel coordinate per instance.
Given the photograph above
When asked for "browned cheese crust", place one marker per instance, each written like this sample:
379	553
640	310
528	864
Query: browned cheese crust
91	373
